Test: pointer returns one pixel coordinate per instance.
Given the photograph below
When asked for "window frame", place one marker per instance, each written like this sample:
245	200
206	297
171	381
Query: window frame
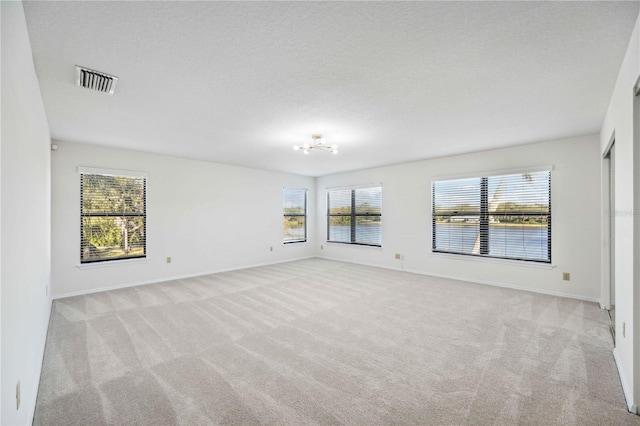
82	171
304	215
484	216
353	215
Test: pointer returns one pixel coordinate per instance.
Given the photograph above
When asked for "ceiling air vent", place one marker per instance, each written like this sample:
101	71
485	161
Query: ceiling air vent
95	80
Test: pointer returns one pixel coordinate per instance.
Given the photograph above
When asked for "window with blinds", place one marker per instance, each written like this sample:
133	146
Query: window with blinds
354	216
507	217
112	217
294	203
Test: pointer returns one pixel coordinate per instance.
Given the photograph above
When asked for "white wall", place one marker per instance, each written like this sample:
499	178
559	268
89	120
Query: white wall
619	121
25	193
0	232
208	217
406	221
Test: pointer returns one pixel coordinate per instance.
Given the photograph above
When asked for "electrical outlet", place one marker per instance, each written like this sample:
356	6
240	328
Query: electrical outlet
168	259
398	257
18	395
566	276
271	248
624	329
321	247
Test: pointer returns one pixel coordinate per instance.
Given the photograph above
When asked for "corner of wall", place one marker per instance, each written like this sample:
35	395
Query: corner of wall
318	241
621	121
25	251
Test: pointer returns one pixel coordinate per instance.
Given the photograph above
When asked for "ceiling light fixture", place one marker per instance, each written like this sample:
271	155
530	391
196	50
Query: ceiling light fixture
317	143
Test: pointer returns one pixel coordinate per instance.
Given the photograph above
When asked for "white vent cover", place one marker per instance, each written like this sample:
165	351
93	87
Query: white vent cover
95	80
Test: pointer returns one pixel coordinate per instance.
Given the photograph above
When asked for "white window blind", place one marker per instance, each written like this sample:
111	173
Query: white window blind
112	217
294	215
507	216
354	216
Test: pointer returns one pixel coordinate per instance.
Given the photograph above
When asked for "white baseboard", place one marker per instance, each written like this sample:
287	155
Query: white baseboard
452	277
177	277
491	283
625	384
513	287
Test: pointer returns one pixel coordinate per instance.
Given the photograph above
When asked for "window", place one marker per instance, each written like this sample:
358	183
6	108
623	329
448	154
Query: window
113	217
506	217
354	216
294	203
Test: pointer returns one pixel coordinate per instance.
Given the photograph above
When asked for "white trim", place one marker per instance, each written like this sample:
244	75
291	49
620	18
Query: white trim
106	263
513	287
345	244
177	277
491	283
612	139
112	172
293	243
360	186
605	226
491	173
625	384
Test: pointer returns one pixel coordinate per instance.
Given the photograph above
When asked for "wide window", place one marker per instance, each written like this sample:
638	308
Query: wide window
354	216
294	215
113	217
506	216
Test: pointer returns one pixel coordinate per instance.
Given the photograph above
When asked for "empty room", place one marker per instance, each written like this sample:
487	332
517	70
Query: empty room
320	213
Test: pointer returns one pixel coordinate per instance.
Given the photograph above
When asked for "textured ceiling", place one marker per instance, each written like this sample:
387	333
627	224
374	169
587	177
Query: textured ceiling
389	82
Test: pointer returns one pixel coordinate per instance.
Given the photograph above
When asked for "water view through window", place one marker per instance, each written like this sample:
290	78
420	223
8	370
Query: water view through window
355	216
507	242
294	225
506	216
370	234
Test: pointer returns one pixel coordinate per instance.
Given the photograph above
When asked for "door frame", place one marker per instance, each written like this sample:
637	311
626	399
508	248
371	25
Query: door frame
608	238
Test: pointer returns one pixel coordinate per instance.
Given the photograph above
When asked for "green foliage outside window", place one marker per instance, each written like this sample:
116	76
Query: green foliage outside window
113	217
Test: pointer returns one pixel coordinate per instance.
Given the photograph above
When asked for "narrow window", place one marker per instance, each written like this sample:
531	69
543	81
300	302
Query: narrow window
294	203
113	217
507	217
354	216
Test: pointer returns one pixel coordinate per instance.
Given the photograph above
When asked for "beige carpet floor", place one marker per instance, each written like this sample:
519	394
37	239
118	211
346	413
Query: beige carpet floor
323	342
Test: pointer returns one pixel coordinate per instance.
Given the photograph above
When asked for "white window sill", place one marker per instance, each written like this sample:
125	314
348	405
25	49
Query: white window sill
108	263
360	246
528	264
295	243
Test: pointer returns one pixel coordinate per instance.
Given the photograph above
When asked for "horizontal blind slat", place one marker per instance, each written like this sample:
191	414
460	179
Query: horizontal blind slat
294	202
355	216
516	211
113	217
